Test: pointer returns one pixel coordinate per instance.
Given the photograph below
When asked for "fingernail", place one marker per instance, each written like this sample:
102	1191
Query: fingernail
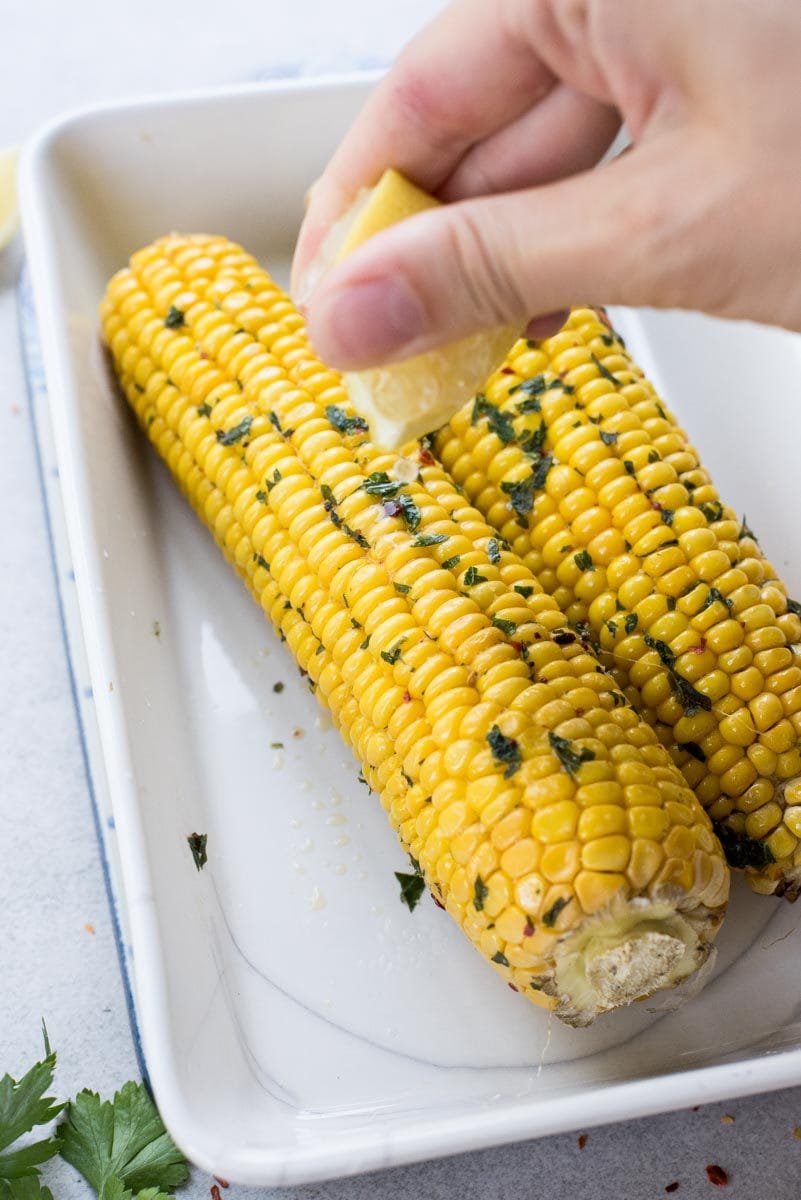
366	324
308	281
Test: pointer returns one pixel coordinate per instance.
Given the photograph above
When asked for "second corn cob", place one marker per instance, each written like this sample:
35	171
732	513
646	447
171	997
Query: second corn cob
574	458
542	812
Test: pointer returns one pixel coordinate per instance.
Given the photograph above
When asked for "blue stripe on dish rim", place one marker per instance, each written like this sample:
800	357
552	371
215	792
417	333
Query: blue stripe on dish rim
61	563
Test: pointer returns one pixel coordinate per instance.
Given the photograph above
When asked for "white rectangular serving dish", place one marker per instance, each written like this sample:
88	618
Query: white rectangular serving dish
298	1022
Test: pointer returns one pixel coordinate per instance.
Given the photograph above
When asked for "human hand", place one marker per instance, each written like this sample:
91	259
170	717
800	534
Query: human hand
503	109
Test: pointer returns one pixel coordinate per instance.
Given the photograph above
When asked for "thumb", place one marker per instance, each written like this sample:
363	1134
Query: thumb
603	236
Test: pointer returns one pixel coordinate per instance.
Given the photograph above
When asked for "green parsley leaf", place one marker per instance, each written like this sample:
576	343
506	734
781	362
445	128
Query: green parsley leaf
230	436
472	577
505	750
197	844
392	656
204	410
583	560
403	588
653	456
493	550
630	623
262	561
380	484
746	531
450	563
629	466
410	512
604	371
794	607
499	422
570	758
712	510
500	958
713	595
411	888
24	1105
524	590
430	539
174	318
507	627
608	439
521	494
25	1187
124	1138
343	423
550	917
480	893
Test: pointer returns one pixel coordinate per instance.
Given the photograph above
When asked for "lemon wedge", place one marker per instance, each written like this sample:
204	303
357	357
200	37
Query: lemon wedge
404	400
9	212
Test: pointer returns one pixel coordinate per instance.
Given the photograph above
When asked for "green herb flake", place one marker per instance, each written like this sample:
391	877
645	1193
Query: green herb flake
261	497
197	844
583	560
612	627
691	700
506	751
230	437
366	642
409	512
430	539
261	561
480	893
343	423
661	411
671	603
472	577
175	318
380	484
403	588
493	550
532	440
329	499
653	456
278	687
712	510
450	563
270	483
604	371
570	758
746	531
524	590
499	422
411	888
712	595
667	515
629	465
204	409
356	536
793	606
618	699
392	656
507	627
320	649
521	494
608	439
500	959
694	749
550	918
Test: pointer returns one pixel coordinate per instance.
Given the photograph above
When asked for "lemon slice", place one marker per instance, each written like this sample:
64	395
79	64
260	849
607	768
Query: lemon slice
9	212
404	400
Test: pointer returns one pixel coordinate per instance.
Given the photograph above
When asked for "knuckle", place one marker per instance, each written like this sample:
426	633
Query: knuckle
487	277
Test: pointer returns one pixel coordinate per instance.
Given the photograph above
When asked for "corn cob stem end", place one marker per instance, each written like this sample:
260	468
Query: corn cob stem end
628	952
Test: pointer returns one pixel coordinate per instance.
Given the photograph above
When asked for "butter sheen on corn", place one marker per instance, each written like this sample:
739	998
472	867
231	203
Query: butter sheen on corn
544	814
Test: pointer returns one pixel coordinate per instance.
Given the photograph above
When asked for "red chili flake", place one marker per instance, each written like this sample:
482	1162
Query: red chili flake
512	986
406	697
392	508
518	646
222	1182
438	903
717	1175
528	929
203	355
579	712
655	504
215	1192
581	1141
425	456
89	927
672	1187
700	648
297	733
507	371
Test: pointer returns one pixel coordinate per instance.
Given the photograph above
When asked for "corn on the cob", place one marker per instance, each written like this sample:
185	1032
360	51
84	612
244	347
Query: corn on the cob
543	813
575	460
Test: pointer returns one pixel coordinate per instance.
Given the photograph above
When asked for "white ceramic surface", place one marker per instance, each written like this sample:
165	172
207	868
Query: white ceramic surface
298	1022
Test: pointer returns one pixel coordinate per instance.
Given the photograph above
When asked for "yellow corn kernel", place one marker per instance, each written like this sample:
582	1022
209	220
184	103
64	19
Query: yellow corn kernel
781	843
595	889
762	822
766	710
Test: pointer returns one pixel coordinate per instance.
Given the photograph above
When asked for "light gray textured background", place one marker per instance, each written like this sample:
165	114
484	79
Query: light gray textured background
55	56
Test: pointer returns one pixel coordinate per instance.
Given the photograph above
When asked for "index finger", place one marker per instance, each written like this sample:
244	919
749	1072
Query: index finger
466	75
